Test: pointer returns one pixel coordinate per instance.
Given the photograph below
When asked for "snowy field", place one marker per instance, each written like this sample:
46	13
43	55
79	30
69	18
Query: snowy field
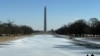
45	45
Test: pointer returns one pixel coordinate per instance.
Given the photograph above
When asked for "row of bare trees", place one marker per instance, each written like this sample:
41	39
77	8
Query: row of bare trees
81	28
9	28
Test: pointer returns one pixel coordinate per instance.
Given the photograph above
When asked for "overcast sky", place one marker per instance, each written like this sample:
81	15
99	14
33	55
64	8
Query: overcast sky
59	12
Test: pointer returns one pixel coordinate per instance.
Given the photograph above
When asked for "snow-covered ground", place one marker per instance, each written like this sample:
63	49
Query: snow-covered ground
45	45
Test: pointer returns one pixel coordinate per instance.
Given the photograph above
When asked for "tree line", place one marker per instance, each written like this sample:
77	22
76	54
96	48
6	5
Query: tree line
8	28
81	27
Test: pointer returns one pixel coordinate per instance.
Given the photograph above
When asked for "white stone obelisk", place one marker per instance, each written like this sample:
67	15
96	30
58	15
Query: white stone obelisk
45	19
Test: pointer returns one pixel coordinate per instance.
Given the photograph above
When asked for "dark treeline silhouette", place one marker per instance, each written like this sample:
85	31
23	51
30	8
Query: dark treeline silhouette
7	29
81	28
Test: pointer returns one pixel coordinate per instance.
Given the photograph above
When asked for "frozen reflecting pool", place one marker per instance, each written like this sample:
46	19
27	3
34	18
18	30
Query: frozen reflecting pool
45	45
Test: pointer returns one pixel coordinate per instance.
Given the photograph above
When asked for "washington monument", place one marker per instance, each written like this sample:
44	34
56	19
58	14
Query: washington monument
45	19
